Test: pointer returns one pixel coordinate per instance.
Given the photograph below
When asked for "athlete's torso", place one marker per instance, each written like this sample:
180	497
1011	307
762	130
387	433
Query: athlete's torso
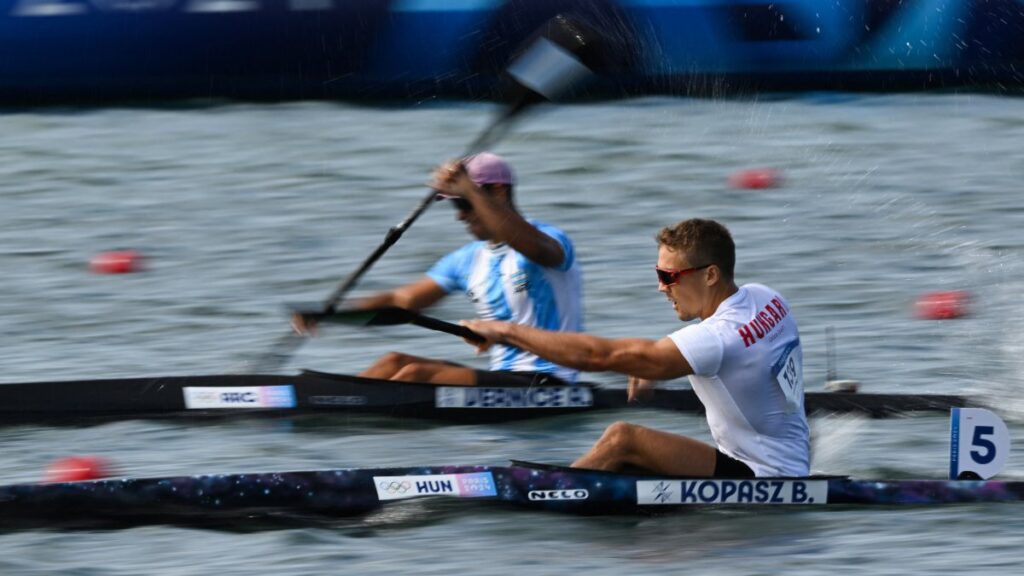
748	373
505	285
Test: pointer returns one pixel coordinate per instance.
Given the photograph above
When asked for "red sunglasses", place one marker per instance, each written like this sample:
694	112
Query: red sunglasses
669	277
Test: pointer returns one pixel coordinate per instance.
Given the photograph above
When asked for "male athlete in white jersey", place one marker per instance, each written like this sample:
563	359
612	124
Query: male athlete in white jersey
743	358
518	270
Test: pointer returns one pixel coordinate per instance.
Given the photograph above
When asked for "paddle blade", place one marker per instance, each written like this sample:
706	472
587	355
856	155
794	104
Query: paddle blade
552	64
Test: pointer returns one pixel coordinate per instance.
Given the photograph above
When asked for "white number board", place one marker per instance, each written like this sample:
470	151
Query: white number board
979	443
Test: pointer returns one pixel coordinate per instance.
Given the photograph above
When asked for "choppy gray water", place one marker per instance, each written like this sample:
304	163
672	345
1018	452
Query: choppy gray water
243	208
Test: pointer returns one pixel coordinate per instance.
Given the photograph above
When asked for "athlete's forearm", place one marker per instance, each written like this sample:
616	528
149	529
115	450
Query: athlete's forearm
585	352
579	351
379	300
416	296
510	227
640	357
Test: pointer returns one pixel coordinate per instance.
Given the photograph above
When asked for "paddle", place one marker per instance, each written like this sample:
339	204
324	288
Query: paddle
387	316
555	60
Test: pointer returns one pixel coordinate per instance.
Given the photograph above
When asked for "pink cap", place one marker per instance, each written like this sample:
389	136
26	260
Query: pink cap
487	168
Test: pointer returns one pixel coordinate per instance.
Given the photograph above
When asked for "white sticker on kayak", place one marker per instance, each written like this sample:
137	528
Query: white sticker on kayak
513	397
753	491
214	397
471	485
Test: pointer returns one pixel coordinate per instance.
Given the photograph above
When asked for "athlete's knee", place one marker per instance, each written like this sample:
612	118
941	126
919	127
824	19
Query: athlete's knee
386	366
619	435
397	360
413	372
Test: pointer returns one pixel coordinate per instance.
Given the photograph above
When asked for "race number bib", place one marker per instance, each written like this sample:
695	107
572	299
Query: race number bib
790	375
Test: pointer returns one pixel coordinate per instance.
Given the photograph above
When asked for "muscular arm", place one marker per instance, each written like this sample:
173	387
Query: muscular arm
505	224
649	359
416	296
510	227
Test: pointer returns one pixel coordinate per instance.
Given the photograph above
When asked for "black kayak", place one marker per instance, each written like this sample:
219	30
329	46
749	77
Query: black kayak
76	401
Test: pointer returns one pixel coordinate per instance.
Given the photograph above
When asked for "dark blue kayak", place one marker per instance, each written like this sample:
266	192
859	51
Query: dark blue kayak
250	501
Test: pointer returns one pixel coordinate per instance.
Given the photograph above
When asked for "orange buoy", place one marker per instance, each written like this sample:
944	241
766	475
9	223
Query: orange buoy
756	179
78	468
944	305
116	262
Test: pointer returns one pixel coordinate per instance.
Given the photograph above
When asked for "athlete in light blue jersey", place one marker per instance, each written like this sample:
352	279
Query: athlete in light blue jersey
506	285
518	270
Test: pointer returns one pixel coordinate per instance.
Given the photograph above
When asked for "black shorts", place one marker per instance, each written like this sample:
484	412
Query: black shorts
728	467
497	378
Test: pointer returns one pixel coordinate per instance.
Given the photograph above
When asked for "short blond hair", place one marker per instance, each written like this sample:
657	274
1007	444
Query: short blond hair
704	242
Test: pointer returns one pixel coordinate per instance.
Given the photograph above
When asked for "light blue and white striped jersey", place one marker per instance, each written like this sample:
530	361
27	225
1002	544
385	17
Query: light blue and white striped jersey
505	285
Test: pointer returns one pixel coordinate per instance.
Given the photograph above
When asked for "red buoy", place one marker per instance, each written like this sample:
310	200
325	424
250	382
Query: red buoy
944	305
78	468
116	262
756	179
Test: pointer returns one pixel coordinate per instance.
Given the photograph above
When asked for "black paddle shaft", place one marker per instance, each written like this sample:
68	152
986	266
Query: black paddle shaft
386	316
394	233
442	326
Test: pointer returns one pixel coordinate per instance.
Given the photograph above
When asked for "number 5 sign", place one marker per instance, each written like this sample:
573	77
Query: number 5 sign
979	443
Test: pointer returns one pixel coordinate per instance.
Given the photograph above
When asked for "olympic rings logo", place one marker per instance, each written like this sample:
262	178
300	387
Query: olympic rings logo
395	487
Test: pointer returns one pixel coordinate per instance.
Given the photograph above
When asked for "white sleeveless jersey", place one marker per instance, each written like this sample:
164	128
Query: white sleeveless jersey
505	285
748	373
